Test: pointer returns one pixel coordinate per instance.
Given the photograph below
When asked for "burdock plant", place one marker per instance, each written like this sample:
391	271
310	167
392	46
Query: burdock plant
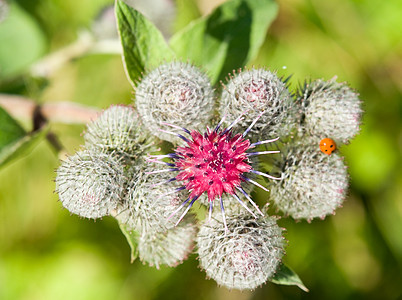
187	139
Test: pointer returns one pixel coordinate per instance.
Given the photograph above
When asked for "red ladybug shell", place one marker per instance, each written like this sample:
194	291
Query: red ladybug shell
327	146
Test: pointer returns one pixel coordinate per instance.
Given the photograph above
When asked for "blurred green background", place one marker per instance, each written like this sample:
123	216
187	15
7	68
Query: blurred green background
45	253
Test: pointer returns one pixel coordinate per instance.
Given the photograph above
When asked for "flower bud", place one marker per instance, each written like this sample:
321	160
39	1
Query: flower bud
150	202
118	130
246	256
175	93
90	184
257	91
330	109
169	248
314	184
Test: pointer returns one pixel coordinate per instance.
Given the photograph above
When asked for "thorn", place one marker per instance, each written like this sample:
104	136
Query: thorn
211	206
223	216
266	175
235	121
177	127
159	162
255	183
171	192
176	134
244	205
249	199
220	123
163	171
180	207
187	209
263	142
252	124
262	152
170	155
163	182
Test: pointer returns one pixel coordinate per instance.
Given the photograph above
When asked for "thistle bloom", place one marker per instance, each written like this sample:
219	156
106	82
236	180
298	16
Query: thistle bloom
216	162
112	175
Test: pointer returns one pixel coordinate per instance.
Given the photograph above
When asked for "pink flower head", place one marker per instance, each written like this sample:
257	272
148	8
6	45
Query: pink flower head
213	163
216	162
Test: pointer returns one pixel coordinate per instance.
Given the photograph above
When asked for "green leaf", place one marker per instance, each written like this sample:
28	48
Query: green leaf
187	11
144	47
132	239
21	146
227	39
10	130
22	42
14	141
286	276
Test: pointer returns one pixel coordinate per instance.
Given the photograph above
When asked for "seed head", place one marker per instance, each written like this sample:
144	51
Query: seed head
175	93
329	109
259	90
90	184
246	256
314	183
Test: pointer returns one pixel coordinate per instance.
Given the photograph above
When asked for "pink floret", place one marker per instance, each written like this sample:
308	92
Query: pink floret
212	163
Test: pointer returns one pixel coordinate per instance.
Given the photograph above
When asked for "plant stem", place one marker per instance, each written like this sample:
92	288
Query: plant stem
57	112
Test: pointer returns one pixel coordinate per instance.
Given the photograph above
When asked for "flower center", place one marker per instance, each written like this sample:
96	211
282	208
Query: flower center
212	163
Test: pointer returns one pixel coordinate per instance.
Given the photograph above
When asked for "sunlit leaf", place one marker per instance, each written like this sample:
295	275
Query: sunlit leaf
187	11
286	276
144	47
21	147
132	239
10	130
227	39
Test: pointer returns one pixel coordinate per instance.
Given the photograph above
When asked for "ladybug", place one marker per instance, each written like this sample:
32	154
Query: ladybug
327	146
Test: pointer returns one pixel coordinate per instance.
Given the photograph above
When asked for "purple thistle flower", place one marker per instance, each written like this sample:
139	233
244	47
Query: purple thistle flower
216	162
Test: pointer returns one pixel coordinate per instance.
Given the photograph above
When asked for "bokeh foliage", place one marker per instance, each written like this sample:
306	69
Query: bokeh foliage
357	254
